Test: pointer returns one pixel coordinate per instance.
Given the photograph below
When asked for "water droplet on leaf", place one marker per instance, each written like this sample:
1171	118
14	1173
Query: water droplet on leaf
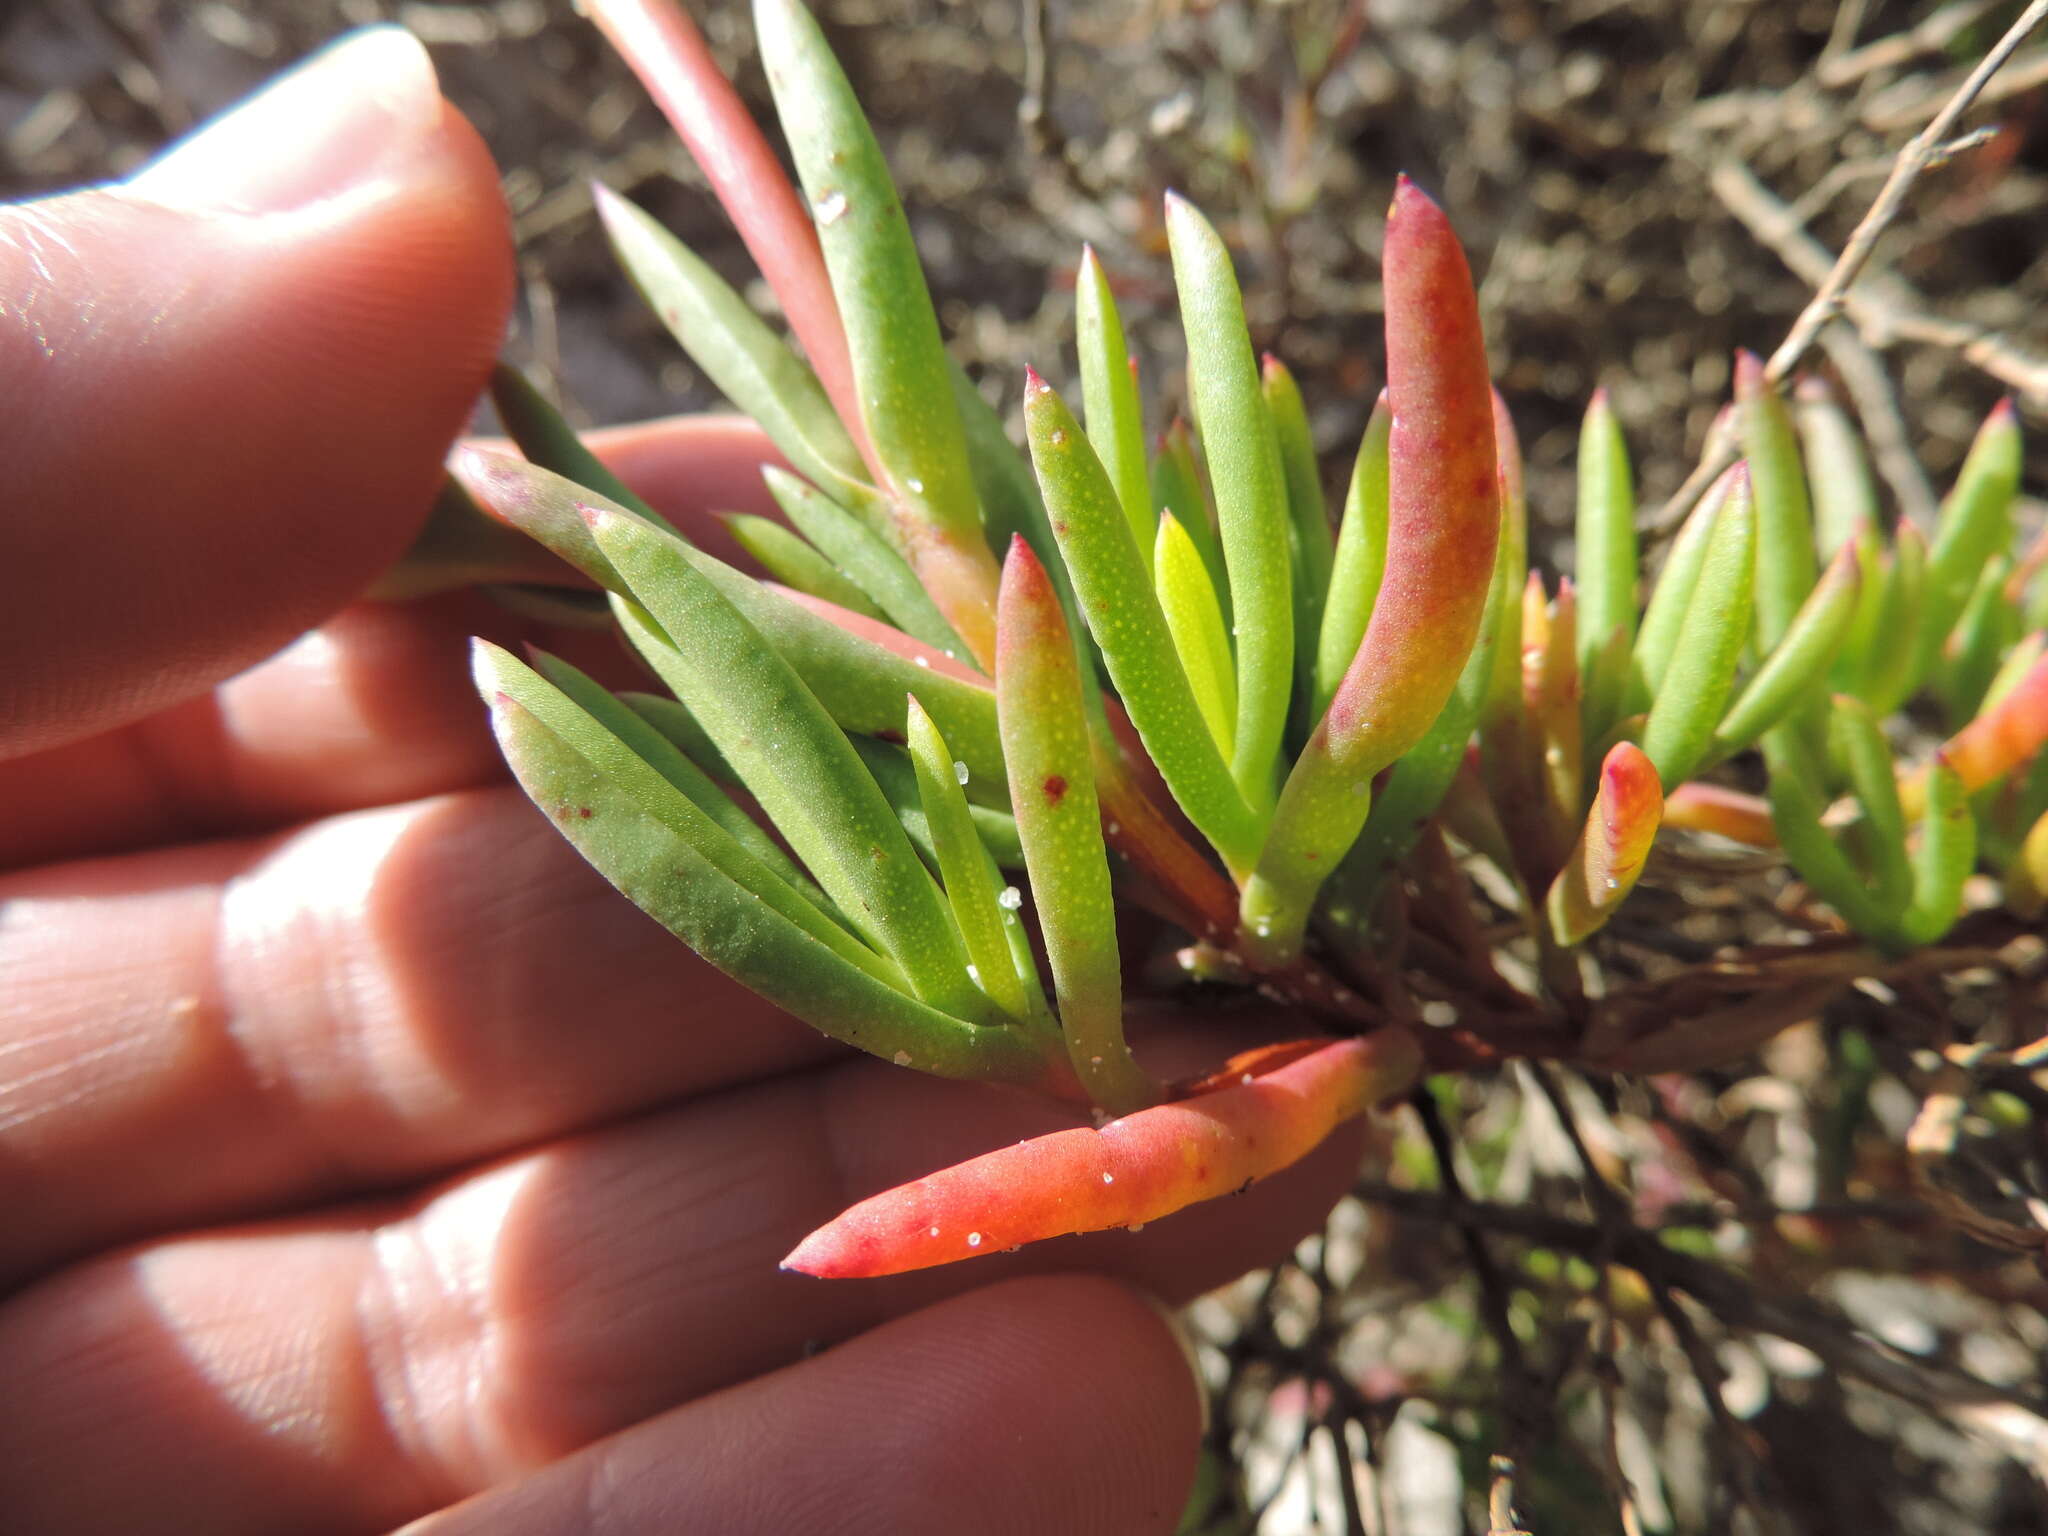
960	771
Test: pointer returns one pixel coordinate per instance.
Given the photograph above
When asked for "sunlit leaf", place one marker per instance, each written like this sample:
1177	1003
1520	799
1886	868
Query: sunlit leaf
741	933
1785	564
1360	560
1130	1171
1251	493
1795	668
793	758
974	888
1109	398
1975	523
1611	849
790	560
866	558
1052	790
1605	576
1194	618
1314	548
1693	694
1443	522
748	363
1114	587
892	335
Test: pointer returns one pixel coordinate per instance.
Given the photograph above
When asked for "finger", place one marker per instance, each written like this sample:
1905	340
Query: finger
1042	1405
360	1371
234	1029
231	384
229	1028
372	708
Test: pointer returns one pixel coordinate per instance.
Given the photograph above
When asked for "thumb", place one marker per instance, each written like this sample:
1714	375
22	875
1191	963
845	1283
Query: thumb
226	385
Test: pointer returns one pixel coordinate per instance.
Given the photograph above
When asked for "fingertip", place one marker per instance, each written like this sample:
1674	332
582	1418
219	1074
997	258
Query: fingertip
222	422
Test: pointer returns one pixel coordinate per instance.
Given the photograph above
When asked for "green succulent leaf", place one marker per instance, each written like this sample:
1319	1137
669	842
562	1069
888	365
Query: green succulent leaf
1785	564
1693	693
1194	618
892	334
1422	777
866	559
897	779
1786	680
750	365
1942	861
551	443
1989	626
1360	560
1975	523
1116	596
992	932
672	760
1838	470
1797	801
793	759
862	683
459	545
1177	487
1314	546
1664	619
666	786
790	560
1052	787
1856	740
741	932
1864	636
1892	673
1443	529
1109	398
1605	577
1250	488
1504	692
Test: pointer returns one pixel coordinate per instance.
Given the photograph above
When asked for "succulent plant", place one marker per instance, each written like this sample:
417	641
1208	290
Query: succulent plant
991	701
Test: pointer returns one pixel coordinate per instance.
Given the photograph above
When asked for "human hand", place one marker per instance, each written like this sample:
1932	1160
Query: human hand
364	1158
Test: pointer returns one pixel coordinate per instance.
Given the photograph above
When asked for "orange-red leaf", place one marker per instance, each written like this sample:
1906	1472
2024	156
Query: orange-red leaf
1612	846
1131	1171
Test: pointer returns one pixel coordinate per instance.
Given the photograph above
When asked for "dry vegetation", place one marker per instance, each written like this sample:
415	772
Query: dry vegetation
1801	1295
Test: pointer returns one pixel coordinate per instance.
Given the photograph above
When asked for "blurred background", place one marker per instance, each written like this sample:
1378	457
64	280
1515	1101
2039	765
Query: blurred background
1609	164
1644	186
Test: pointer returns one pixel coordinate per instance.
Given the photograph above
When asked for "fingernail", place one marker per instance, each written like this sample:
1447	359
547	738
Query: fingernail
350	115
1178	1327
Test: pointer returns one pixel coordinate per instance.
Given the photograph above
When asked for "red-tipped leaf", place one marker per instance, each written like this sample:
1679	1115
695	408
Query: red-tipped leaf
1612	846
668	53
1443	520
1131	1171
